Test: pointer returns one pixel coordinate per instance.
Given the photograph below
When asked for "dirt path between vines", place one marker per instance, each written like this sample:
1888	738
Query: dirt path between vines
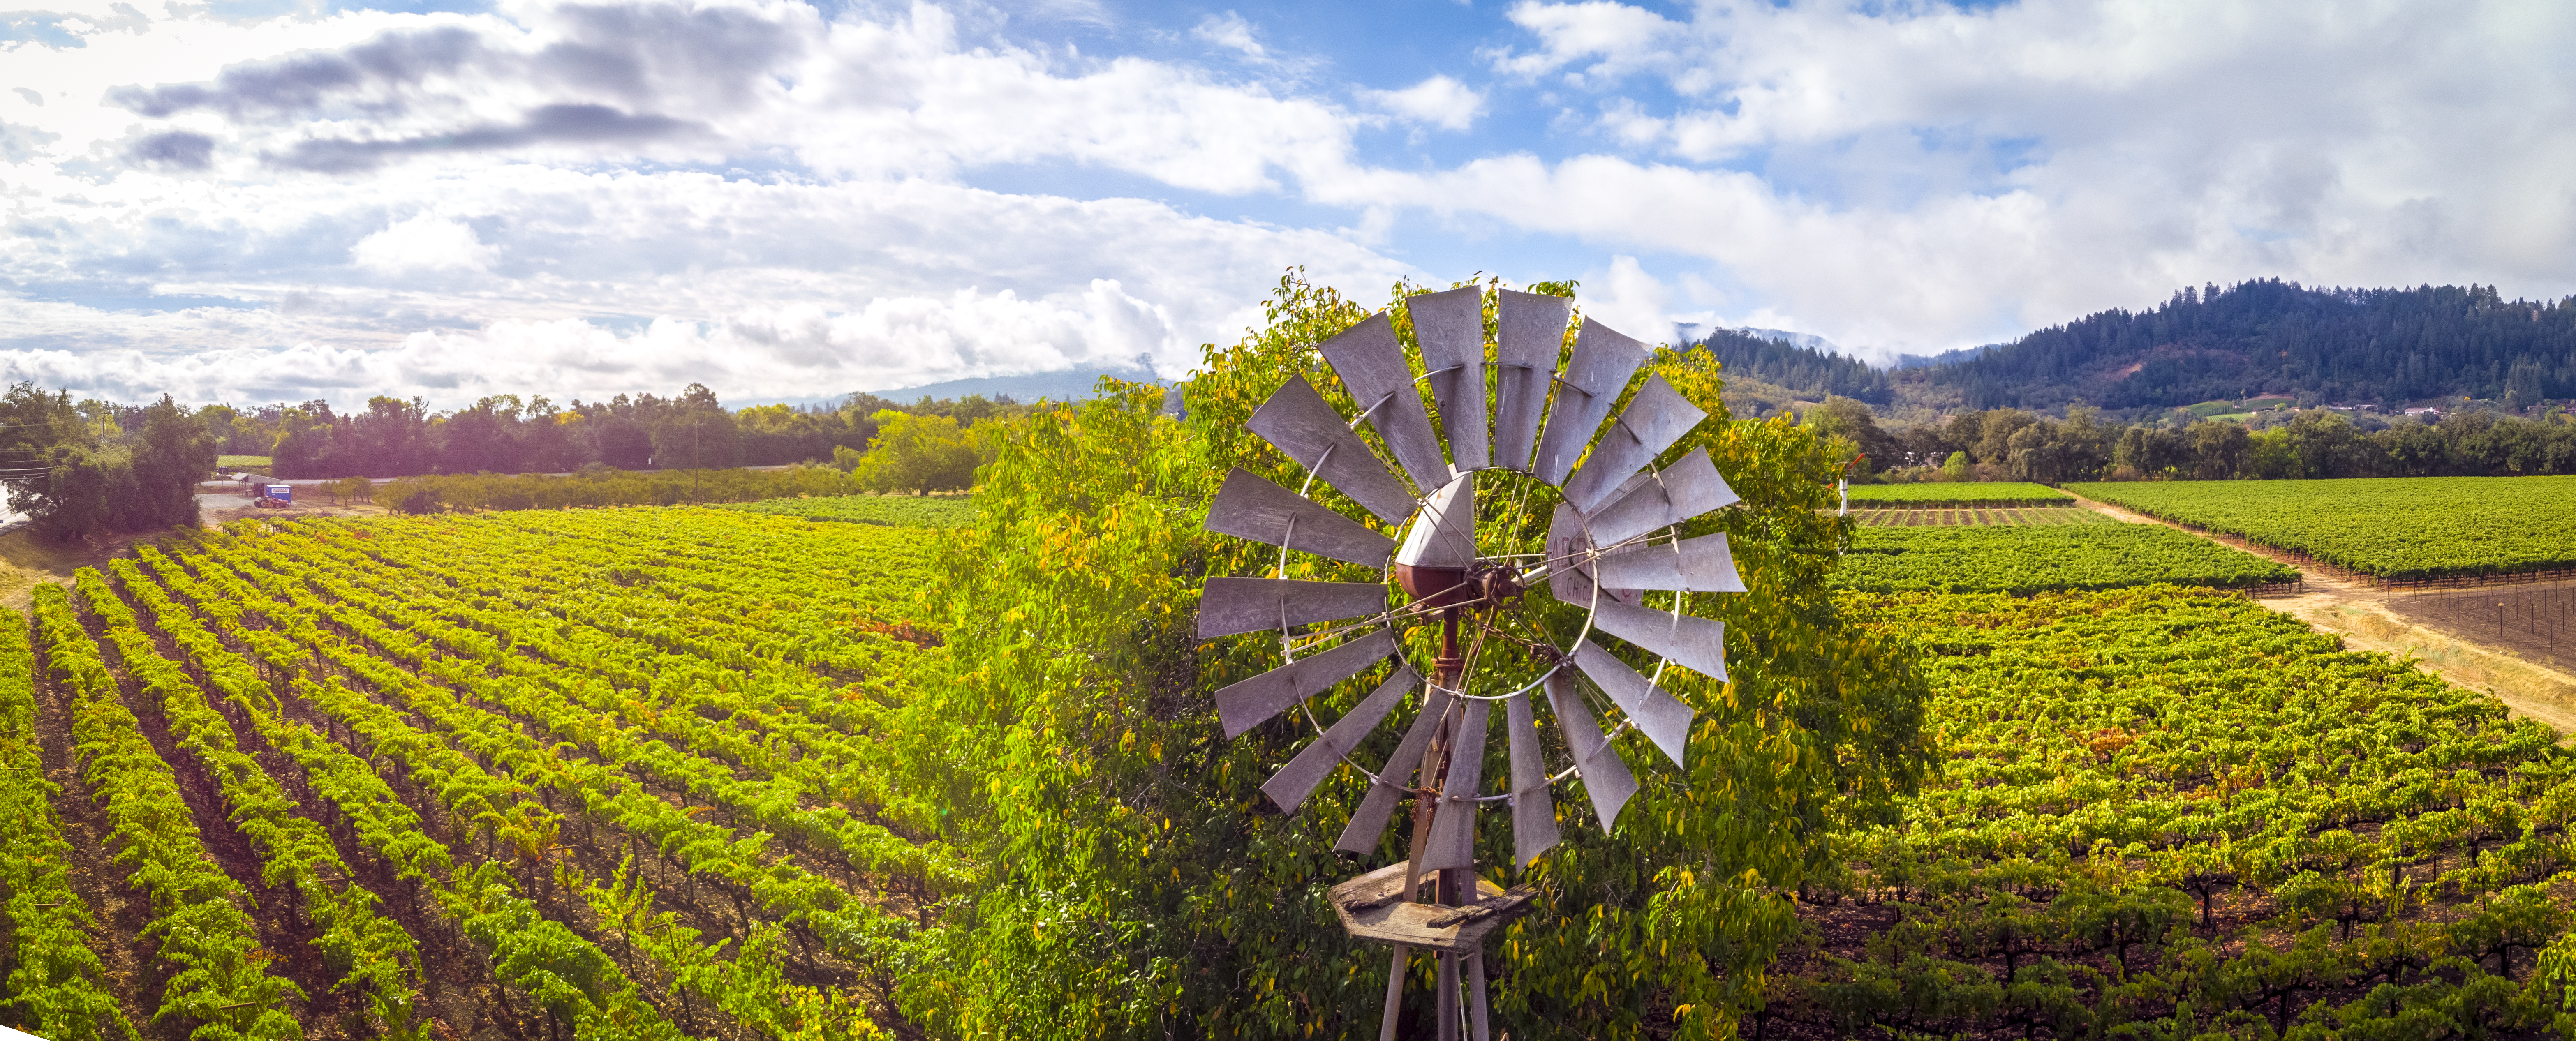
2361	615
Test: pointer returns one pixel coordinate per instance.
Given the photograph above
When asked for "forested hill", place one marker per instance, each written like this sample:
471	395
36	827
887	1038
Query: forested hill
1799	368
2344	346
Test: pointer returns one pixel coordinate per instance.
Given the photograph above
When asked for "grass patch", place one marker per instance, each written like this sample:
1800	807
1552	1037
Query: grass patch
2025	559
1960	493
900	511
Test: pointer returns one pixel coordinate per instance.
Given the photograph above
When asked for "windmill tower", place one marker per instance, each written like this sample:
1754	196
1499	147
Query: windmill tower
1613	538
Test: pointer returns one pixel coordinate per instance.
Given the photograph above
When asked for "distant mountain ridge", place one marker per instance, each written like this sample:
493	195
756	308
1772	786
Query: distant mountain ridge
2377	346
2343	346
2261	337
1061	385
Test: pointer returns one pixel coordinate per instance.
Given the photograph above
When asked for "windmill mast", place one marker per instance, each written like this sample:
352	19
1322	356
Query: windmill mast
1613	536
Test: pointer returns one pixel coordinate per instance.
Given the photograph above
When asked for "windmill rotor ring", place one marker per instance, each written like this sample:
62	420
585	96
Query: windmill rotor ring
1614	534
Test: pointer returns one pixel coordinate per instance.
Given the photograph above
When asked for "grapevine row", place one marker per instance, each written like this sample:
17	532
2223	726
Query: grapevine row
56	978
499	809
381	959
220	977
563	973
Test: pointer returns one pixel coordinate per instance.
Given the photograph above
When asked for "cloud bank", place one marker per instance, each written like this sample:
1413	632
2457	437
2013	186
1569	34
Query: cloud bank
583	200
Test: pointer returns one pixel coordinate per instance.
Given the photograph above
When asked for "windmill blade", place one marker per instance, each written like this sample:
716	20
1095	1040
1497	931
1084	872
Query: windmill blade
1369	821
1298	421
1653	420
1570	564
1297	780
1249	703
1603	360
1248	506
1700	565
1605	776
1672	495
1697	644
1656	713
1453	828
1371	364
1445	536
1450	327
1533	810
1250	605
1529	331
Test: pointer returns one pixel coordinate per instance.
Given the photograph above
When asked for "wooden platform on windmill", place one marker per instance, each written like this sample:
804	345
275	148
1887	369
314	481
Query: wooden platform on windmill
1372	908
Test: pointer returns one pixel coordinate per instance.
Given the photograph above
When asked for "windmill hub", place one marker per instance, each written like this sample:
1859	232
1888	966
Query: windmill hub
1500	583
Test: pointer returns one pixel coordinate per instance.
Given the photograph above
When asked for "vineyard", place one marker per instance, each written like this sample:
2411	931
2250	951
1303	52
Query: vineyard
702	772
895	510
2398	528
624	774
1960	493
2173	813
2024	559
1952	517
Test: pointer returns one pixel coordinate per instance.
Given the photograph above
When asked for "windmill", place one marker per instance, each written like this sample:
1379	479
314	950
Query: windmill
1613	537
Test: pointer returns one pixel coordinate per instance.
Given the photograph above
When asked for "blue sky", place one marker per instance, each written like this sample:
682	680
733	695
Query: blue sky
266	200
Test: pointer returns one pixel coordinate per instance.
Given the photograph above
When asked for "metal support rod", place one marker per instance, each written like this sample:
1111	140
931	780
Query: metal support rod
1448	998
1451	669
1476	996
1433	777
1448	889
1394	996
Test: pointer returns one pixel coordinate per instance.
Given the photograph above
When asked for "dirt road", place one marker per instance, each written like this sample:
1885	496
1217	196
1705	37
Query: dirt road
2362	615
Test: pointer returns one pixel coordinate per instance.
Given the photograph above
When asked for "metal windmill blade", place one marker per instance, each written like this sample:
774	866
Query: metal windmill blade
1612	552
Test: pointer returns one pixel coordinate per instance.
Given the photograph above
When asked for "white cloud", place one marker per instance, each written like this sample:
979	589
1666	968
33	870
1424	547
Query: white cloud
1629	300
1616	38
783	203
818	288
1231	32
422	243
796	351
1438	101
1923	176
497	251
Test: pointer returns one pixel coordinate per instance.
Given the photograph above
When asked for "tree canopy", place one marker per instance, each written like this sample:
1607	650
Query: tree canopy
1141	885
81	470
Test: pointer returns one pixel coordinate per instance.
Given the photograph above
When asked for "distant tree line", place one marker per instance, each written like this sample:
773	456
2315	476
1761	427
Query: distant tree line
1794	367
395	437
2013	444
85	467
2378	347
2346	346
89	468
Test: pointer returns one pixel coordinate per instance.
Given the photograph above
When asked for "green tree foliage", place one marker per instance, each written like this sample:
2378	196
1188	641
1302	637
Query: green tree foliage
81	472
917	454
2312	443
2267	336
1142	886
1852	421
504	433
696	433
1798	368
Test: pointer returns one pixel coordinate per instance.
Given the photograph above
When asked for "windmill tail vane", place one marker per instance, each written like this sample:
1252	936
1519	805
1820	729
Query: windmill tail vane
1612	537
